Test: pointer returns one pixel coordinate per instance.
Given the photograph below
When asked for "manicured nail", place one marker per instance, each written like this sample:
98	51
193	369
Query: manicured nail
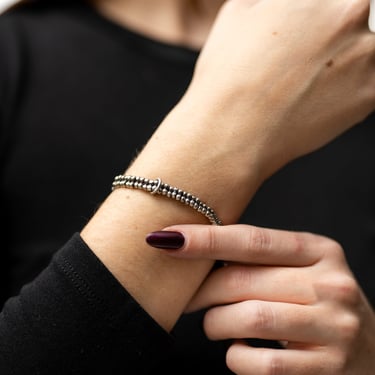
166	240
371	19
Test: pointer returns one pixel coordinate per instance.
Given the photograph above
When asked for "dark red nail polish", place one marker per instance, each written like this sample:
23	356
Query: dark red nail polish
165	240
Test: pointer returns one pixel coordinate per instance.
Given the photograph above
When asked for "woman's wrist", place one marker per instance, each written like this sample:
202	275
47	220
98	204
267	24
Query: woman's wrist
192	151
182	155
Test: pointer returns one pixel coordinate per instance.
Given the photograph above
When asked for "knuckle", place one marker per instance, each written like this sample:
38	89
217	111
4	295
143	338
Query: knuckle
349	327
210	242
339	287
346	289
258	239
238	278
273	364
263	317
299	242
339	361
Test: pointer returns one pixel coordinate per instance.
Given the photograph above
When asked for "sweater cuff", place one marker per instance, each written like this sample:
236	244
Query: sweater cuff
137	335
76	318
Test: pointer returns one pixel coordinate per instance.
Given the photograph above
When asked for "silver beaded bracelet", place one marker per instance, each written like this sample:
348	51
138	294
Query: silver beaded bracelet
159	187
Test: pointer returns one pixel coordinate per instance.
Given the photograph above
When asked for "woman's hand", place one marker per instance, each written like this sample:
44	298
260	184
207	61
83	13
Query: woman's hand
276	79
287	286
291	74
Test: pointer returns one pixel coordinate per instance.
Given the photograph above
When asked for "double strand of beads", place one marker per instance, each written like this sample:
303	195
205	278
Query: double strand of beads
157	186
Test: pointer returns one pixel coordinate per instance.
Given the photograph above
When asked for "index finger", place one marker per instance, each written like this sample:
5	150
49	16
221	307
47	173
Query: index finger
248	244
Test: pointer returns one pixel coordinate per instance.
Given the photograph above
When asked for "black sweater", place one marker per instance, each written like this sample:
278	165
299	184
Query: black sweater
79	97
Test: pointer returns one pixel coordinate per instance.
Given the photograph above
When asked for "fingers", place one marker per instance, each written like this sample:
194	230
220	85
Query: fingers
269	321
239	283
246	244
245	360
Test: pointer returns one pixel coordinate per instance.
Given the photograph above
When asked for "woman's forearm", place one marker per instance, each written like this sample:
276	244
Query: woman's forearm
163	286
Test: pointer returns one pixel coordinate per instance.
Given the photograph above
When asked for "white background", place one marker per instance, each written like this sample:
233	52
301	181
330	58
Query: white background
5	3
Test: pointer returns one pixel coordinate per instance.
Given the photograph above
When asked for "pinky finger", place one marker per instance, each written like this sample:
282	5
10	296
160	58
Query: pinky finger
246	360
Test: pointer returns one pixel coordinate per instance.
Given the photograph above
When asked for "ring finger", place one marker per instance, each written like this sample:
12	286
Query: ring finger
269	321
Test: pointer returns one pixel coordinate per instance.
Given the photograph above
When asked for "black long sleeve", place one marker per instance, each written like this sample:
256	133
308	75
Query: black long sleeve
76	318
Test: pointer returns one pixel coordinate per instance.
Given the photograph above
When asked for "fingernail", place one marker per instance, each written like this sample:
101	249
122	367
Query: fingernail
166	240
371	19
